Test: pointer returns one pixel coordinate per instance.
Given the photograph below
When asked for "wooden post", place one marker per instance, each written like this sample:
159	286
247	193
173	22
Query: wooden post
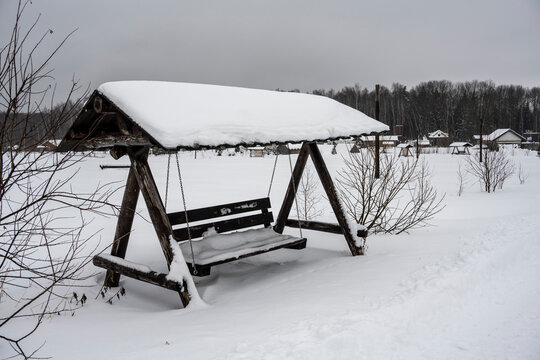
333	197
124	224
156	210
377	144
293	185
417	145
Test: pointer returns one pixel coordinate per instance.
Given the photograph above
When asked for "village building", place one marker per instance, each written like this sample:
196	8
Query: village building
501	137
532	136
386	141
256	151
439	138
423	143
288	149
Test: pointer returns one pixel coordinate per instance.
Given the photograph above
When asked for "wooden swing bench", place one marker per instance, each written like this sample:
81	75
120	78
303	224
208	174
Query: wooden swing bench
208	251
115	119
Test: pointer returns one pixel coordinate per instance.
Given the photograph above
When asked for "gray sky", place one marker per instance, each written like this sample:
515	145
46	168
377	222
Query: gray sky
305	44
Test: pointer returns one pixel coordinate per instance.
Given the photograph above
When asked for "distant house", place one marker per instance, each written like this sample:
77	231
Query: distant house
256	151
49	145
288	149
439	138
460	148
501	137
422	143
532	136
386	141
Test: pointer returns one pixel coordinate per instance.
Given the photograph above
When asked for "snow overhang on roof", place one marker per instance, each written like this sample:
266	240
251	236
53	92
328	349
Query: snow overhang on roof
460	144
184	115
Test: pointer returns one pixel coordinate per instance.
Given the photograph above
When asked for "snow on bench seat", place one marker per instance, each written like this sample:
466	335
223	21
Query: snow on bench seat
217	248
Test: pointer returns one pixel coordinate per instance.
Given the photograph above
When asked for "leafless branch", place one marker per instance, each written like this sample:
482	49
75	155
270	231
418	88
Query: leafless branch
401	199
492	172
44	245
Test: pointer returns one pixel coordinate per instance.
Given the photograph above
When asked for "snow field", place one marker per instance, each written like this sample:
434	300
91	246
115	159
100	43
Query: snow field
464	288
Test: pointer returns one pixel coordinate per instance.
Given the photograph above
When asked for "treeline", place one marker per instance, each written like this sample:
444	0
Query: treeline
455	108
28	130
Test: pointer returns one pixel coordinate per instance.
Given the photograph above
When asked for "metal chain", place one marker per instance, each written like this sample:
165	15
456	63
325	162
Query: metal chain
186	215
167	186
294	189
273	172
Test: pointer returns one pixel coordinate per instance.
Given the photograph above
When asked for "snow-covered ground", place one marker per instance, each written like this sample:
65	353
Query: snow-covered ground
466	288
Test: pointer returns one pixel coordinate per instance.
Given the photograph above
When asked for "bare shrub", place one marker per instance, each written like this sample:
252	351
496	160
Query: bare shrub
401	199
42	222
522	174
308	196
492	172
462	181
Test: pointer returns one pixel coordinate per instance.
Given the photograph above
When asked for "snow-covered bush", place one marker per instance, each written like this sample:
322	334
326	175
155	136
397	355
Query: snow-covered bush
492	172
402	198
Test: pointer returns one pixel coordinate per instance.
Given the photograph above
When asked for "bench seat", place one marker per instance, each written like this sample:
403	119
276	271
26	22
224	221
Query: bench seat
216	248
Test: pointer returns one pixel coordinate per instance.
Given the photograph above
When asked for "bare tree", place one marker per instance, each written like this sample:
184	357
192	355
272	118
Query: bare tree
42	222
522	174
308	196
401	199
461	179
493	171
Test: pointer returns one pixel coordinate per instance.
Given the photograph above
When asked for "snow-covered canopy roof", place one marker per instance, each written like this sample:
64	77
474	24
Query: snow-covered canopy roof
460	144
404	145
191	115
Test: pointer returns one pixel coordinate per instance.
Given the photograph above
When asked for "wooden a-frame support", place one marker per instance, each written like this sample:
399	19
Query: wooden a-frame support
311	149
140	179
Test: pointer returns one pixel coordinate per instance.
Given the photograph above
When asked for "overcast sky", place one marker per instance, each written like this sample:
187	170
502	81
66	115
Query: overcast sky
291	44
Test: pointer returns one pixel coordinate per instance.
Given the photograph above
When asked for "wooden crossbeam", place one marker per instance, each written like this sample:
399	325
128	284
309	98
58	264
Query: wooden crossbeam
150	277
321	226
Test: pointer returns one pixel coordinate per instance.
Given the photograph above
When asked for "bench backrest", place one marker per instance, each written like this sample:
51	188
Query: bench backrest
235	213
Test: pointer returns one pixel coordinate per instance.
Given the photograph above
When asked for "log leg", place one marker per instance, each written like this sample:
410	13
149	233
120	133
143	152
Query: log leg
123	226
332	194
293	185
155	206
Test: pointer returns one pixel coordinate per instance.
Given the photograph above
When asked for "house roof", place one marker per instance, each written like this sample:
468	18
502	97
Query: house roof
438	134
184	115
500	132
497	134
